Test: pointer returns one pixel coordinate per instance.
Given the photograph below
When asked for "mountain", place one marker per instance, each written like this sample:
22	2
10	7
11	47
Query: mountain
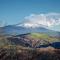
35	40
16	30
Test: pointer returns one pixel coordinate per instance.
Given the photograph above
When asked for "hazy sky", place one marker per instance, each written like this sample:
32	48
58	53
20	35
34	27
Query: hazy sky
14	11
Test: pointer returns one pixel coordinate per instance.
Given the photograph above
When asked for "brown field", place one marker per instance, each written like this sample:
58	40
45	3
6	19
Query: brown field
24	53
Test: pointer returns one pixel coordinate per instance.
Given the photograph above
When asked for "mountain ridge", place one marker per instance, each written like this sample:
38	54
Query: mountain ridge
14	29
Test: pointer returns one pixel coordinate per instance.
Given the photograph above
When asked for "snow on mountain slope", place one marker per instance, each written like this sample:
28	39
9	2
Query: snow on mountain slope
49	21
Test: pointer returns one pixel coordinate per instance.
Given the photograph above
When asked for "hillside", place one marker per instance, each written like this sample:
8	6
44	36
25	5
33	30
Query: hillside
31	46
33	40
24	53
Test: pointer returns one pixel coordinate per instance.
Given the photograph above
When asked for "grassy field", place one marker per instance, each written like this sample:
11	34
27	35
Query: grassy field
44	37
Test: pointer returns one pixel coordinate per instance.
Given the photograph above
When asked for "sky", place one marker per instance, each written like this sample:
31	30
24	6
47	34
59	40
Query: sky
16	11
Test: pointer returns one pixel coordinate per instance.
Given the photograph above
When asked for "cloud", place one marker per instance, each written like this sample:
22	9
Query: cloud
50	21
47	20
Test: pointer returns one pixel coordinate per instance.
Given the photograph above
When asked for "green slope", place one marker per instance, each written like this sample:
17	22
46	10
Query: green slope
44	37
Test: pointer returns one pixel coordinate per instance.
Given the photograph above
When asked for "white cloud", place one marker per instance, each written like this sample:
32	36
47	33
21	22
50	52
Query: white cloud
47	20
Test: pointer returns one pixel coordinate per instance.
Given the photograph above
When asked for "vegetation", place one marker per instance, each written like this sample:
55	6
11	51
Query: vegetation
44	37
22	53
9	51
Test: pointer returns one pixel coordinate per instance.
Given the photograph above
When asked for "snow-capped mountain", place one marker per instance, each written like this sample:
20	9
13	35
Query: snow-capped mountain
49	21
43	23
31	25
23	29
